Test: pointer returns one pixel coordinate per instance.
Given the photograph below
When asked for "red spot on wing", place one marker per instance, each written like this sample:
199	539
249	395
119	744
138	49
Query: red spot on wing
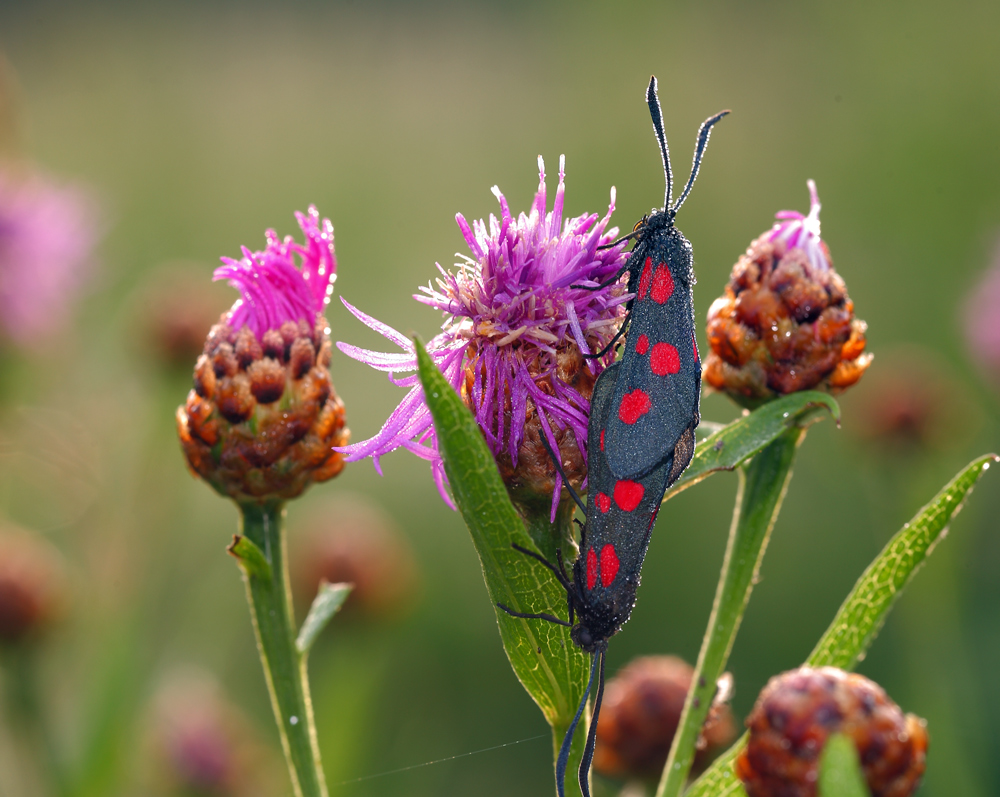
642	344
663	284
591	568
664	359
602	439
609	565
603	502
634	405
694	345
628	494
646	278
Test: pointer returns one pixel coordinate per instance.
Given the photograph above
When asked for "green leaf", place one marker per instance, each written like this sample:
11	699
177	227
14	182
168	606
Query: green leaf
550	667
840	771
327	603
734	444
862	614
250	557
730	446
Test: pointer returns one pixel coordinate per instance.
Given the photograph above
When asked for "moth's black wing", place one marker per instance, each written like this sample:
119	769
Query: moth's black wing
620	516
656	397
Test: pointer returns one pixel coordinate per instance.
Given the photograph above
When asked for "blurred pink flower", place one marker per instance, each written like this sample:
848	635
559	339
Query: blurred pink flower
981	318
47	235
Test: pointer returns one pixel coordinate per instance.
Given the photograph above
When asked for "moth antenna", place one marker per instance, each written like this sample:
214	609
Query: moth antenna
654	111
620	240
699	150
563	758
558	464
588	751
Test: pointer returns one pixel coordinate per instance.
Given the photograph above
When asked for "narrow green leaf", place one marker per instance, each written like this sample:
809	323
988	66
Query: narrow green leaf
250	557
735	443
762	486
550	667
862	614
839	769
327	603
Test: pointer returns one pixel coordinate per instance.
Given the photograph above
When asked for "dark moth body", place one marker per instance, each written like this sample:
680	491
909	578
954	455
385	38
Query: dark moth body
620	516
656	397
640	437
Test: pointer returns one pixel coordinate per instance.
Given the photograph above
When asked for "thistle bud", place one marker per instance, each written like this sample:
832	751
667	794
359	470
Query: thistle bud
799	710
201	744
32	587
353	541
785	322
263	420
639	717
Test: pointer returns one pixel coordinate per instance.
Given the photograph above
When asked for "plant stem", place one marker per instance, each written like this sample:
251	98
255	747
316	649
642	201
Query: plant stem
550	537
270	599
28	715
762	485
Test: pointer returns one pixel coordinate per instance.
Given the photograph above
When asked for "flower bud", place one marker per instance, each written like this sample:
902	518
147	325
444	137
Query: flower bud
263	420
354	541
785	322
32	584
639	717
799	710
201	744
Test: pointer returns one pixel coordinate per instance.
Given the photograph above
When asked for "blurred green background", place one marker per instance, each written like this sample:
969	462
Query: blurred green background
202	126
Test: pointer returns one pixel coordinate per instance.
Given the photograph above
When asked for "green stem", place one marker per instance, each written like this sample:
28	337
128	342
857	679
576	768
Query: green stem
270	599
550	537
762	485
28	716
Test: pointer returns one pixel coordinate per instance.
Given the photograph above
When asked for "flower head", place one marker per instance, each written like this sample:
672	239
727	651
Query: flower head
263	419
32	585
785	322
47	235
640	714
981	319
519	314
799	710
273	289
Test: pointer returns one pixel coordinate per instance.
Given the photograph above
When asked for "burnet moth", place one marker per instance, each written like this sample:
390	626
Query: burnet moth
602	589
643	413
659	385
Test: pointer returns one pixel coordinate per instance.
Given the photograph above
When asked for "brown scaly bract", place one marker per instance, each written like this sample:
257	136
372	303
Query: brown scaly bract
785	322
263	419
799	710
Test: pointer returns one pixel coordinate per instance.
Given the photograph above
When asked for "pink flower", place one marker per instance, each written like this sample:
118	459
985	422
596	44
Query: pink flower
533	287
47	235
274	289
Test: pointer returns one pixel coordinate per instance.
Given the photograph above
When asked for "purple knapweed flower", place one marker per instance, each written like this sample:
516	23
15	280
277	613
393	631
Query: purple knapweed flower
981	319
519	314
47	236
263	420
273	289
802	232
